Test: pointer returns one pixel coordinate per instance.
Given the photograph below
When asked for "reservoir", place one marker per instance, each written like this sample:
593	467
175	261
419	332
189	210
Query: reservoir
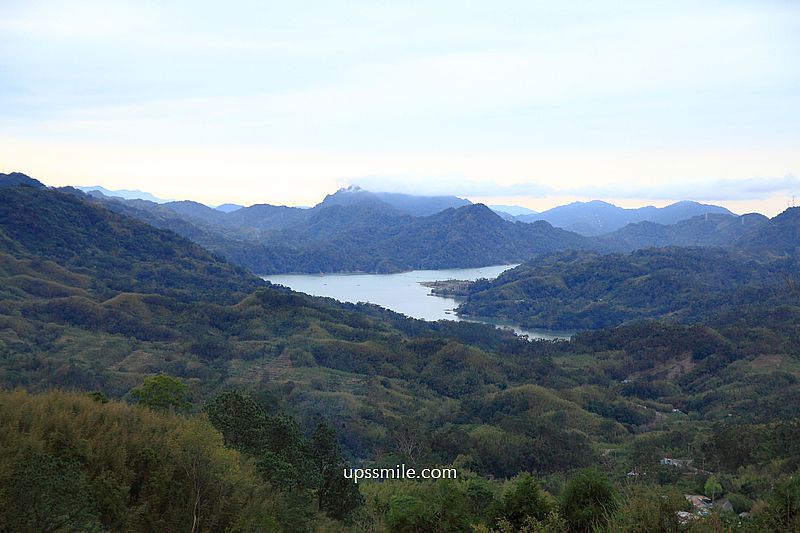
400	292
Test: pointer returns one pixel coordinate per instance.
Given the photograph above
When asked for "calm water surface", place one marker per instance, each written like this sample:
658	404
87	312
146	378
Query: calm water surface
399	292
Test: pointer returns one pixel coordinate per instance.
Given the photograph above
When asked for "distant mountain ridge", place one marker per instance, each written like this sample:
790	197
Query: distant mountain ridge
127	194
228	208
597	217
18	178
513	210
353	230
360	236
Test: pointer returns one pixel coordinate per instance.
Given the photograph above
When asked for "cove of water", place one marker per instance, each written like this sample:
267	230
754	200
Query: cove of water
401	292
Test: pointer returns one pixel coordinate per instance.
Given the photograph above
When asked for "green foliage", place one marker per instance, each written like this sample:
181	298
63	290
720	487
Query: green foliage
47	494
163	393
588	500
645	508
442	507
74	464
98	396
240	419
337	496
407	514
133	256
521	500
782	509
712	487
284	457
552	523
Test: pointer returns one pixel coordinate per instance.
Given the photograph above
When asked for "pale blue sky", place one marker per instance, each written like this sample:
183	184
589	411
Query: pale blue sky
528	102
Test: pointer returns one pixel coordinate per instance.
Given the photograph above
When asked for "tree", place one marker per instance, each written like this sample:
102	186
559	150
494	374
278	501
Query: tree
448	506
649	508
588	499
552	523
407	514
337	495
712	487
163	393
283	456
523	499
240	420
782	512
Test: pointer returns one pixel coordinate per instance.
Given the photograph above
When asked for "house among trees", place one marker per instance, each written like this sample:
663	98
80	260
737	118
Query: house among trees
701	505
677	463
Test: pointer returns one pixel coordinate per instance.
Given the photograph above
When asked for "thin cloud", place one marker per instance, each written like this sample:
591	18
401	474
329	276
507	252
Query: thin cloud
447	185
756	188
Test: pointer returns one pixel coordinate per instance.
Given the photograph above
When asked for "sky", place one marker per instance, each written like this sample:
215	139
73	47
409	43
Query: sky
504	102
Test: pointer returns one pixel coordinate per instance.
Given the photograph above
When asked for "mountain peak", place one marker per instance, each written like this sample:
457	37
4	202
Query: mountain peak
408	204
18	178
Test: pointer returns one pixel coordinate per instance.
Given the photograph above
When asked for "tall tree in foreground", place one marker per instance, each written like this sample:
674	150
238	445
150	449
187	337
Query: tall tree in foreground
587	500
522	500
337	495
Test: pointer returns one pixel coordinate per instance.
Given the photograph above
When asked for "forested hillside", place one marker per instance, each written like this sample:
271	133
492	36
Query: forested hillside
712	230
573	290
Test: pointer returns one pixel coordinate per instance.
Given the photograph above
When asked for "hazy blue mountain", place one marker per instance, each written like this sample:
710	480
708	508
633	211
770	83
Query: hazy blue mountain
228	208
597	217
511	210
195	210
354	230
681	211
504	215
264	217
18	178
127	194
402	203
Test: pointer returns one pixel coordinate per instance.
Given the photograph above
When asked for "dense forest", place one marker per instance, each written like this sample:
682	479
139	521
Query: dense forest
151	385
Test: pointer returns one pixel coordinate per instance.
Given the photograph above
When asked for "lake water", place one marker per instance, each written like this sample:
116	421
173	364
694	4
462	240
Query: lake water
400	292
